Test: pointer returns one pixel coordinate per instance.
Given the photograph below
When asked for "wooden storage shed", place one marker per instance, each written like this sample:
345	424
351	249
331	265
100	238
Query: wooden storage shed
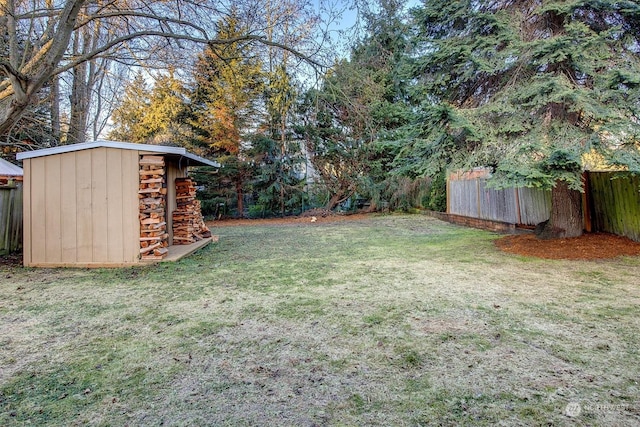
82	202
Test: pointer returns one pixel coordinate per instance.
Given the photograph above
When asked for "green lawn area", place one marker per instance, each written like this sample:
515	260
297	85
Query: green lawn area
390	320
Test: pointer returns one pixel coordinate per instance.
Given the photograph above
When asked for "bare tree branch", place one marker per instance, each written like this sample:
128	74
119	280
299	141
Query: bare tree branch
39	34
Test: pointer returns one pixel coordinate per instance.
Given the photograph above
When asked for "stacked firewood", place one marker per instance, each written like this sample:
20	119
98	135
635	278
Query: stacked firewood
188	223
152	195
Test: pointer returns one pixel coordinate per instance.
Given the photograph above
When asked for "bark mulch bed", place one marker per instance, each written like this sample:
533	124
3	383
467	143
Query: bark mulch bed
589	246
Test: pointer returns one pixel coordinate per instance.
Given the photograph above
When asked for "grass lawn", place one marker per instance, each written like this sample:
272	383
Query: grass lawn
390	320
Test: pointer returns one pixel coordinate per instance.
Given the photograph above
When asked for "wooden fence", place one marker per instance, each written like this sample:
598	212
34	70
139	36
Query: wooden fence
472	198
614	202
611	200
10	218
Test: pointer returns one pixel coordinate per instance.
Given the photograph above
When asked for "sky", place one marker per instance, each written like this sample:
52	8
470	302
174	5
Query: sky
342	16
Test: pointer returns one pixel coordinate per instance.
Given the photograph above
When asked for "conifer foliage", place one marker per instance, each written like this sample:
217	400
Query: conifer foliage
528	88
153	114
228	82
537	90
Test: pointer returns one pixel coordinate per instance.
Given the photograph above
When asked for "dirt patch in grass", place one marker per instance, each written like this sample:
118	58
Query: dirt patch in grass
589	246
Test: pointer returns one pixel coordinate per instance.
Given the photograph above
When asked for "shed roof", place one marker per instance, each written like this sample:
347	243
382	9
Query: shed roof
180	152
9	169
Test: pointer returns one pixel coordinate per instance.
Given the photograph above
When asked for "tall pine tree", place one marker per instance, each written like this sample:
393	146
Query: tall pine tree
153	115
528	88
129	115
229	83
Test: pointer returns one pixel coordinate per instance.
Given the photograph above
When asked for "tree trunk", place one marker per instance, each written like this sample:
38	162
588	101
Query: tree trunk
240	200
55	109
333	201
28	80
79	94
338	198
566	218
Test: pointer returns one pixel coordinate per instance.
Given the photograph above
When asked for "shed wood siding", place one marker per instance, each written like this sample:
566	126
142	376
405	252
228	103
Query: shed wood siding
81	207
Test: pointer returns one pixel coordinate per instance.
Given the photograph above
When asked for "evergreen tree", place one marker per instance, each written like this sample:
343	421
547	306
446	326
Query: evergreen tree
164	119
278	186
129	115
360	111
153	115
228	84
279	183
224	105
528	88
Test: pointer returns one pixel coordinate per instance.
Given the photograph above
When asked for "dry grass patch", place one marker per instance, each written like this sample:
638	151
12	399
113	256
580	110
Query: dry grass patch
390	320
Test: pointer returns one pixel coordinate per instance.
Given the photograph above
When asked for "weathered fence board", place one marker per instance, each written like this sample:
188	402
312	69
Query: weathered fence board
615	206
498	205
472	198
10	219
463	198
534	204
613	197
